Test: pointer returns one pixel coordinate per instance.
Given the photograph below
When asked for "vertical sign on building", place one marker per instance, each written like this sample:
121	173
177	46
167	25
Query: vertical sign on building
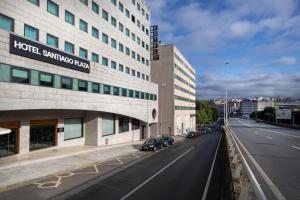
154	42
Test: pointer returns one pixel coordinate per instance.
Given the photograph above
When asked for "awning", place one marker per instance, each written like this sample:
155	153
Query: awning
4	131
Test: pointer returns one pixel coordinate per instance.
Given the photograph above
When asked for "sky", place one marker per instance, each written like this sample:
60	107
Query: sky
260	39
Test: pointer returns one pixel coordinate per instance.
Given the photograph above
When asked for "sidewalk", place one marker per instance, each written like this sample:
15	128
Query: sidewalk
20	169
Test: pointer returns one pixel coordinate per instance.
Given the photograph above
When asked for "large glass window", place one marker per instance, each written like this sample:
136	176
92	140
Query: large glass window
31	32
83	25
108	124
46	79
95	32
8	143
95	7
104	61
66	83
41	136
52	41
104	38
19	75
73	128
123	124
69	47
96	87
52	8
6	23
135	124
95	57
104	15
83	53
69	17
106	89
116	91
82	85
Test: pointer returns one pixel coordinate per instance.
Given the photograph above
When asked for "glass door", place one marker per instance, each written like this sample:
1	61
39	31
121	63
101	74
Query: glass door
8	143
42	136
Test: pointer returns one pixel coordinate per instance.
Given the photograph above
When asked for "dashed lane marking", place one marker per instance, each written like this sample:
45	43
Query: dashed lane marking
269	138
296	147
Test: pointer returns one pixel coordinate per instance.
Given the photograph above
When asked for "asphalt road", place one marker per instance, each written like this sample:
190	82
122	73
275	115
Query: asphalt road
179	172
277	152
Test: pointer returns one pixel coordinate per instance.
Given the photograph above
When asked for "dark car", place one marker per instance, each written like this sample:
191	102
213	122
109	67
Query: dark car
167	140
191	134
152	144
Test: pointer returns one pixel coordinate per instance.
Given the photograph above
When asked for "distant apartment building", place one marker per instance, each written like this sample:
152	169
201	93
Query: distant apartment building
177	87
261	104
246	107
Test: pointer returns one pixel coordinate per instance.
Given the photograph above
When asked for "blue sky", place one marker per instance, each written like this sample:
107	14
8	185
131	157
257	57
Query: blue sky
259	38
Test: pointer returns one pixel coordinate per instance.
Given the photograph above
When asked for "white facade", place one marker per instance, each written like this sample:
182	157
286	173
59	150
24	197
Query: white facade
176	80
29	104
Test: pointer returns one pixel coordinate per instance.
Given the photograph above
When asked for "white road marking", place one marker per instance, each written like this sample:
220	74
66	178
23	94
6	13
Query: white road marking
263	174
210	172
269	138
157	173
296	147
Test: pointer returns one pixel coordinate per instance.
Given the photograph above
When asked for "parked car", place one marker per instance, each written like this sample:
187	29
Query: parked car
167	140
152	144
258	120
191	134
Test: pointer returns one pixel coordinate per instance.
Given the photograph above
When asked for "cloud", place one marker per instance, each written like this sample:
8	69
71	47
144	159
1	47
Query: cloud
286	60
248	85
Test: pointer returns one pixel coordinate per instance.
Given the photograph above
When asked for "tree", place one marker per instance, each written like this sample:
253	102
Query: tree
205	112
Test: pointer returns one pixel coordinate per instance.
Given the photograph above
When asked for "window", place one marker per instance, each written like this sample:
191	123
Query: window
151	97
147	62
139	23
104	38
113	21
135	124
143	60
108	124
73	128
147	31
133	54
138	57
147	16
133	72
143	76
124	92
127	51
121	67
6	23
69	47
155	97
104	15
95	87
143	44
113	43
133	36
83	53
66	83
19	75
82	85
123	124
147	47
113	64
127	32
147	96
69	17
133	18
138	74
138	6
31	32
143	12
46	79
121	47
104	61
106	89
52	41
116	91
121	27
36	2
95	57
142	95
114	2
52	8
127	13
95	32
127	70
83	25
85	2
121	7
133	2
137	94
147	77
138	40
143	28
130	93
95	7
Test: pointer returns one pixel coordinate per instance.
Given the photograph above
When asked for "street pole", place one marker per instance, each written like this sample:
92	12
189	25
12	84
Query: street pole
226	105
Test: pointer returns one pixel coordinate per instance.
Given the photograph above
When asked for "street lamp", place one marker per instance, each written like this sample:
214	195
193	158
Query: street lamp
226	97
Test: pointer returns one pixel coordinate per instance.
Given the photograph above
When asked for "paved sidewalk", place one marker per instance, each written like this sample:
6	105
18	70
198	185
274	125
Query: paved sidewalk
20	169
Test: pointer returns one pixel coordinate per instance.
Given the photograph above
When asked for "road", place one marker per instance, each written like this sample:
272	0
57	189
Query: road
276	150
177	172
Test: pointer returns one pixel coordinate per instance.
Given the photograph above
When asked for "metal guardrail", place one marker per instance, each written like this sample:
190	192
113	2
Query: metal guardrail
245	183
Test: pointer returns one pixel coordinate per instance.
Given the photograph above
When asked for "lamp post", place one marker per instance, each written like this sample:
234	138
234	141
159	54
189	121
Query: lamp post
226	97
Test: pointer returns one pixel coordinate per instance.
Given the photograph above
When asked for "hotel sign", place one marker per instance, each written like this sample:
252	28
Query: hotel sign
34	50
154	42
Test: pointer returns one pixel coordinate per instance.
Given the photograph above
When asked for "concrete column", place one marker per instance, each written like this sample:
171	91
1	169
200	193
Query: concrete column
91	124
24	135
60	135
117	124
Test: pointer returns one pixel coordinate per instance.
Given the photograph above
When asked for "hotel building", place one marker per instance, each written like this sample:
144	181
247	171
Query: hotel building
75	72
176	82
